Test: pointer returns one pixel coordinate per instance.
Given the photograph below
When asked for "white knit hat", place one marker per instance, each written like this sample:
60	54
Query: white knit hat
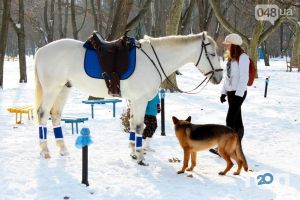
233	38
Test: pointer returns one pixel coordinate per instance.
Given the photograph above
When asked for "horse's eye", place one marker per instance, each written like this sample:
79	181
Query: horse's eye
213	54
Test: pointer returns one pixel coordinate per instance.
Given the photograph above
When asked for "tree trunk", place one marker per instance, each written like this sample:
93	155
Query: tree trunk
186	18
110	18
60	19
120	19
296	47
266	53
172	29
99	3
95	16
65	32
73	18
21	44
49	24
3	36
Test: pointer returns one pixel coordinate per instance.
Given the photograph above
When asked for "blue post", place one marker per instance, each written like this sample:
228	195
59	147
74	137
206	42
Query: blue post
162	104
266	86
82	142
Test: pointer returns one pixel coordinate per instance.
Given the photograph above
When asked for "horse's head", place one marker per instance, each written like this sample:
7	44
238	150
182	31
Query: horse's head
208	62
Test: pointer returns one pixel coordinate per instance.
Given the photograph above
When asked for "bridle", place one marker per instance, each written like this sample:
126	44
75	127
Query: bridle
203	47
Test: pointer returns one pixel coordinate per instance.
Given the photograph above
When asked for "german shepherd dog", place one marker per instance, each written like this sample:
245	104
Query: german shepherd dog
193	138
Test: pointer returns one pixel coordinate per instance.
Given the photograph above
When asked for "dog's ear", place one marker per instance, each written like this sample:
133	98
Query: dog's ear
189	119
175	120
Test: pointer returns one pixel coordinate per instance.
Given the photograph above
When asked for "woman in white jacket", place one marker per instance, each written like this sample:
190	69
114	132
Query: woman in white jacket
235	83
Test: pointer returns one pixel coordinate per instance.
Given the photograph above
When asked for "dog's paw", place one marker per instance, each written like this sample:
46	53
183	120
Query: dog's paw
236	173
180	172
222	173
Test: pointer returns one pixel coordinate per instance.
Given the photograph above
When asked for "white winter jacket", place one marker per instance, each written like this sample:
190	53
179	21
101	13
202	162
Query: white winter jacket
239	75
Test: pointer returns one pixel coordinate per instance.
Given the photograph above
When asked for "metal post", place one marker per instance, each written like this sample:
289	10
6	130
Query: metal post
72	128
85	166
266	86
162	104
92	107
114	109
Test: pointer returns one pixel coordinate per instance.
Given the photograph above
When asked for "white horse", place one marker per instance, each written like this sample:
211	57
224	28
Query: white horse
59	66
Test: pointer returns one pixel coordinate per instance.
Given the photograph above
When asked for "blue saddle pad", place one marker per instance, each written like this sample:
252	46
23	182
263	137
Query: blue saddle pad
93	68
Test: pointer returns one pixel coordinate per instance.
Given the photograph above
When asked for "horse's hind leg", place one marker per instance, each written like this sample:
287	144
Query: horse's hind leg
43	112
56	112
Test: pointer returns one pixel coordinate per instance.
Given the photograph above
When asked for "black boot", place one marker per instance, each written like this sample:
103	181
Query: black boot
241	133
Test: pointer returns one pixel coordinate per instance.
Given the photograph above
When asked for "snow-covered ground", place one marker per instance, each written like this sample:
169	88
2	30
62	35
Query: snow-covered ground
271	145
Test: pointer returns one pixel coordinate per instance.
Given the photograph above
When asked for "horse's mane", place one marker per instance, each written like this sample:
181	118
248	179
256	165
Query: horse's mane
178	38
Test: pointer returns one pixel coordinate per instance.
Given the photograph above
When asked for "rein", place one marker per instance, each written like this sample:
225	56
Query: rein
203	46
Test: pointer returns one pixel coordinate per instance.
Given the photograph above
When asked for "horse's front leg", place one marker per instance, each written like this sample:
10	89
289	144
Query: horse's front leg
137	113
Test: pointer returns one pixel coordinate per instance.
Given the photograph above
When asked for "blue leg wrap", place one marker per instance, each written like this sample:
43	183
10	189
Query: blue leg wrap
138	143
132	137
43	132
58	132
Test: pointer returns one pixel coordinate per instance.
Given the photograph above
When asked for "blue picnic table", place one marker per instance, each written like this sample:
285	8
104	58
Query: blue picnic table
74	120
102	101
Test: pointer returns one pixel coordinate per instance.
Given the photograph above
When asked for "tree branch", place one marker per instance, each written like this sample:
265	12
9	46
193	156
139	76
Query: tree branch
141	13
271	29
225	23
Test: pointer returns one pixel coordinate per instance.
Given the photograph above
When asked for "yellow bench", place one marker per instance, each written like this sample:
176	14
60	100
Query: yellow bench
20	110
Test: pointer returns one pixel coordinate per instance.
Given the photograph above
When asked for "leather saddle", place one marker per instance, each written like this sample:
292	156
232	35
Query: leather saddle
113	56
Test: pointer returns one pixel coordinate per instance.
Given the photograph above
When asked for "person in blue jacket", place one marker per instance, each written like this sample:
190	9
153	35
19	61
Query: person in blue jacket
150	121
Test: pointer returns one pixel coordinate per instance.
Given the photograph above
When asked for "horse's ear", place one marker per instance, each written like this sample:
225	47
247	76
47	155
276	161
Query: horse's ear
175	120
189	119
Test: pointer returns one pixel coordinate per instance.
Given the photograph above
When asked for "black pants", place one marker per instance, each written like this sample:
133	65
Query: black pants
234	114
151	125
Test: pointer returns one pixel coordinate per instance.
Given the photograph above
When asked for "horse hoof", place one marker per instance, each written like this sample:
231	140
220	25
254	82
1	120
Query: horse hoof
45	155
64	153
180	172
133	156
143	163
236	173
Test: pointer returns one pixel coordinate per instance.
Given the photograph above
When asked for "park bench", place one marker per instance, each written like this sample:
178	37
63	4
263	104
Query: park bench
21	110
293	64
102	101
74	120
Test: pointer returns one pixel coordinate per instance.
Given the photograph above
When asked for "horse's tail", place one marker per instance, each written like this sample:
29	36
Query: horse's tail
38	91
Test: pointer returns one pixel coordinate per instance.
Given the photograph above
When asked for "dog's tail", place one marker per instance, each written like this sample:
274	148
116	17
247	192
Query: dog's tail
240	154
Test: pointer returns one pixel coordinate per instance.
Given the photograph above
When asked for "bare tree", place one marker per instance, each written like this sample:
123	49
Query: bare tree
258	34
120	19
20	30
63	27
186	17
73	17
49	24
3	36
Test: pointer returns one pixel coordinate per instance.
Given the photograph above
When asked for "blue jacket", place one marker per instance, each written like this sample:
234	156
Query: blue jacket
152	106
